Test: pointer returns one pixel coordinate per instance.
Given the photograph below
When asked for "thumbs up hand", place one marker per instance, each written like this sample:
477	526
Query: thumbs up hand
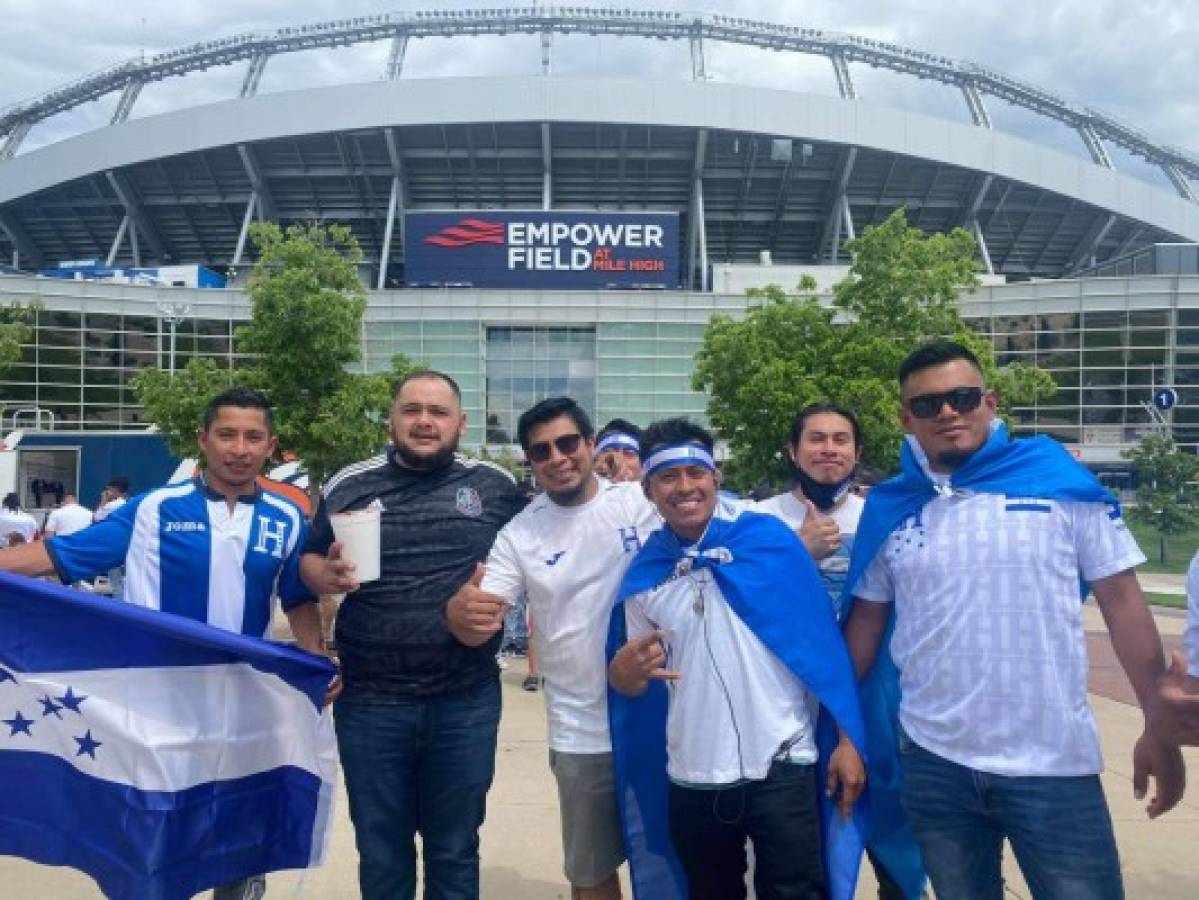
472	614
819	533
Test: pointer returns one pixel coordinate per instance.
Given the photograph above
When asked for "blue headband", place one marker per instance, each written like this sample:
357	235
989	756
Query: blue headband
677	455
618	440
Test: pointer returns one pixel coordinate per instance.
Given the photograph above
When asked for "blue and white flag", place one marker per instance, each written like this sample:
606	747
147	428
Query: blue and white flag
159	755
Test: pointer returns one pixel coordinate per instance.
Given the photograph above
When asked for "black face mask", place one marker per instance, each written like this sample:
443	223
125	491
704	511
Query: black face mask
823	496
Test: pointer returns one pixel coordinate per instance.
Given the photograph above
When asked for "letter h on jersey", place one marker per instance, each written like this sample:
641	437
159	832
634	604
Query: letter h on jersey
273	530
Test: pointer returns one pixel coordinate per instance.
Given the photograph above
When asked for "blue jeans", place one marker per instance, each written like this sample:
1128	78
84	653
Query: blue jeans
1058	826
419	765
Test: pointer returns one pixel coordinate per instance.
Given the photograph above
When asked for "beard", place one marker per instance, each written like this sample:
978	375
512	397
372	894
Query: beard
953	459
426	461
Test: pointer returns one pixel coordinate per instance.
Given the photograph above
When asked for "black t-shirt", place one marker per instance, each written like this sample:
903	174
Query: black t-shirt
392	636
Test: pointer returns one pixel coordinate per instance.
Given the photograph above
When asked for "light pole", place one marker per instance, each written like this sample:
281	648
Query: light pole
173	312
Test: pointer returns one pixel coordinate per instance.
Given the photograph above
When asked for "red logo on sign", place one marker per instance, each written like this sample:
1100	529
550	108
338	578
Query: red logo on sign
467	232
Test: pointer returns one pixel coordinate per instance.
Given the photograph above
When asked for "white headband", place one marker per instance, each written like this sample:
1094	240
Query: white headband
618	440
678	455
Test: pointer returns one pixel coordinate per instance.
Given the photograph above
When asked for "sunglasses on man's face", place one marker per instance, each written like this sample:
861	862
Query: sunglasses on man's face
960	400
543	450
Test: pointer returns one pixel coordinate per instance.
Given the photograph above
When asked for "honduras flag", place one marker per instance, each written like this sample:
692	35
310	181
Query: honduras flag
159	755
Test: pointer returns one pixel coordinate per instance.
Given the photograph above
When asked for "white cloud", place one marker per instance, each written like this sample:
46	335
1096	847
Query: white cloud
1134	61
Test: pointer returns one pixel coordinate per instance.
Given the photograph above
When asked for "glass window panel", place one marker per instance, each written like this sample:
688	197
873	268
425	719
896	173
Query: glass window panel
1009	342
1099	415
1061	397
525	365
1103	339
1105	319
212	327
1012	324
630	347
18	393
52	318
1146	337
1059	340
1059	322
1147	356
1111	357
1142	317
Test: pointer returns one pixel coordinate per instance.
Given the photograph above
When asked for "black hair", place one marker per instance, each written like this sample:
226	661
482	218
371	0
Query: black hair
679	430
548	410
935	353
242	398
815	409
12	502
429	373
619	425
120	482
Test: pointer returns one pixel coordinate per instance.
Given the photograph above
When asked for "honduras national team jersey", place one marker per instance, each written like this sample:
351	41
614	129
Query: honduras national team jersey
186	553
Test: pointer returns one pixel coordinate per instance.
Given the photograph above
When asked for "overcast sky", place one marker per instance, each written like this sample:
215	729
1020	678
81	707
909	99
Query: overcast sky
1136	61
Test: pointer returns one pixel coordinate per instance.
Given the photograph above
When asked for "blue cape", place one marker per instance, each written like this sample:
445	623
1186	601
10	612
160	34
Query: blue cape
1036	466
771	583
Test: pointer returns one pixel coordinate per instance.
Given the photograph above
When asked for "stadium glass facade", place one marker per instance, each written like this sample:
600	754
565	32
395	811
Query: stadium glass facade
1106	341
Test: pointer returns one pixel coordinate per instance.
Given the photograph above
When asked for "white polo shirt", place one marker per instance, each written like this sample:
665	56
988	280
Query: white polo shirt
1191	639
568	561
988	634
735	704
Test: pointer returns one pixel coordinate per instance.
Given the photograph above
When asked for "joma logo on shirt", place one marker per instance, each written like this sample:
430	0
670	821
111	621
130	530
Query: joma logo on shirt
185	526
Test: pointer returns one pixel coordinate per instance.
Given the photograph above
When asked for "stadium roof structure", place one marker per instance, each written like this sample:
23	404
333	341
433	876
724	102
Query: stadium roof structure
749	169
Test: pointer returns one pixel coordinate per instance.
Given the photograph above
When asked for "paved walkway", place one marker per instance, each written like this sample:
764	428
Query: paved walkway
522	848
1163	584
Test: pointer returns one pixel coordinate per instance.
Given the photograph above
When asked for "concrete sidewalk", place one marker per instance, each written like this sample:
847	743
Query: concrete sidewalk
522	850
1163	584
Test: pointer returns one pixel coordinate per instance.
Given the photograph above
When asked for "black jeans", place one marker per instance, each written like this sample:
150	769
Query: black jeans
780	814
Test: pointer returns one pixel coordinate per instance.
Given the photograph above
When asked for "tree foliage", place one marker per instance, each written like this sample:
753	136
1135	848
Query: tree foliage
304	336
14	331
176	404
791	350
1166	498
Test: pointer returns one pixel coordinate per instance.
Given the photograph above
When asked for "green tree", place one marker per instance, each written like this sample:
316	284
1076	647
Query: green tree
303	338
176	404
1165	486
790	350
14	331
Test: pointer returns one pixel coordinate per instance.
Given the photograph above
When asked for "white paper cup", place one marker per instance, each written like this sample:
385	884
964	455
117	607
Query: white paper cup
358	533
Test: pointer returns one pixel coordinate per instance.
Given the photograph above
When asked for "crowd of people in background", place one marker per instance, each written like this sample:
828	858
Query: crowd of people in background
719	673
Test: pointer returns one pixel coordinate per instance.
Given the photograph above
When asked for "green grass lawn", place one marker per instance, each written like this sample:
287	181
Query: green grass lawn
1179	550
1174	601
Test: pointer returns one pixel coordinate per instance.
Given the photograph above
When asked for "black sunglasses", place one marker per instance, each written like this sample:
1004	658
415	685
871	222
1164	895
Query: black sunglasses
960	399
566	444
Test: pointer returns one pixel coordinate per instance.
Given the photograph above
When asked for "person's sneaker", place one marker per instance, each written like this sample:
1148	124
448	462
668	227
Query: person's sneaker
501	661
531	683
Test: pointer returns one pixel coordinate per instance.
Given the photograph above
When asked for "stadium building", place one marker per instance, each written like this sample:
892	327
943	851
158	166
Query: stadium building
573	234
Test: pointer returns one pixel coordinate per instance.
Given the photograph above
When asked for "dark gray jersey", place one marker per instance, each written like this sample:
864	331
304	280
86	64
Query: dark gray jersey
392	635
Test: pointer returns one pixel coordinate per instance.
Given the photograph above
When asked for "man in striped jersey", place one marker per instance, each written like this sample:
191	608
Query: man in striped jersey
215	549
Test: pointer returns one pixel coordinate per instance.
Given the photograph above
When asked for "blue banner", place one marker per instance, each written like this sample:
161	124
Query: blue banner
556	250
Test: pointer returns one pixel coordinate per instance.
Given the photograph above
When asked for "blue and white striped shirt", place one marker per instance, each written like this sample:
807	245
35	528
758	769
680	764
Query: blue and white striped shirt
186	553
